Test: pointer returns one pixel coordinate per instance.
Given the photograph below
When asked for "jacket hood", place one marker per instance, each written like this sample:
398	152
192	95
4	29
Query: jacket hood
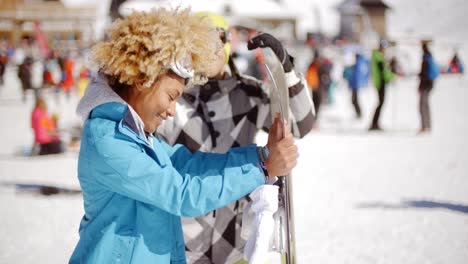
97	93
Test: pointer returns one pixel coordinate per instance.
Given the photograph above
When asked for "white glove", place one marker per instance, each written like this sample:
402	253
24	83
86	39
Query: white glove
260	227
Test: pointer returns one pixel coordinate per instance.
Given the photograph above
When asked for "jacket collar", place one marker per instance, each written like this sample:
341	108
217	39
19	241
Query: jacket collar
129	122
213	89
101	101
135	123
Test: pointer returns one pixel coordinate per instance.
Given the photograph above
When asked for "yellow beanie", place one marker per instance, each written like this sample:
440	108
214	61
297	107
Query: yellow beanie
218	21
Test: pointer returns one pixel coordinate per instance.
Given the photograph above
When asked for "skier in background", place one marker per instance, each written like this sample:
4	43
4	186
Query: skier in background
357	76
3	64
429	72
395	66
68	79
83	80
318	78
46	135
25	75
313	81
226	112
455	65
381	75
325	79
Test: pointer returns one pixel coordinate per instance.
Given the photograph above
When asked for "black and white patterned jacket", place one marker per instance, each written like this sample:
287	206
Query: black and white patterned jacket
228	113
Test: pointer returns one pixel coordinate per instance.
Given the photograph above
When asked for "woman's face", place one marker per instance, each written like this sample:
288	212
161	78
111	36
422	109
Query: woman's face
217	67
155	104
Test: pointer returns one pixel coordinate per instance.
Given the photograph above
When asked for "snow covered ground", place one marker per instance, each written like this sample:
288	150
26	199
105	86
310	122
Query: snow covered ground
383	197
391	197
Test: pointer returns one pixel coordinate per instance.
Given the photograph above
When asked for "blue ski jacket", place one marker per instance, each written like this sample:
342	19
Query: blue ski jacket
360	73
135	190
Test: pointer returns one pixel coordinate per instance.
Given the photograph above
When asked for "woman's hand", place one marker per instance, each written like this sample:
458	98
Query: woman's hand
264	40
283	152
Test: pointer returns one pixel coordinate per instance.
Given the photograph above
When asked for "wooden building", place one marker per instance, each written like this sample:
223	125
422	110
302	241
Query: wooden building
359	17
57	21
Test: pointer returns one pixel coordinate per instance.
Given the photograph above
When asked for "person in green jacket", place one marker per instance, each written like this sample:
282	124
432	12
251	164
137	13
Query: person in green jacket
381	75
135	186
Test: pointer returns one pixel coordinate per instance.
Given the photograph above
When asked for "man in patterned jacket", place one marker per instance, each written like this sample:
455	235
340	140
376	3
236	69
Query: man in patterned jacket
226	112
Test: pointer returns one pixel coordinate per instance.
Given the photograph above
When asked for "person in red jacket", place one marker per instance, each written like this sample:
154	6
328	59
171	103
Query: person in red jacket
68	80
455	65
44	126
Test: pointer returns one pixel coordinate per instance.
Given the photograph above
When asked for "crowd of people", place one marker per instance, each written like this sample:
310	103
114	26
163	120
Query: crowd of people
60	71
381	72
63	72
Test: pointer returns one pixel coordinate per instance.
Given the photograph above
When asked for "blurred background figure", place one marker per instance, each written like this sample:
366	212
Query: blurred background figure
313	81
48	80
455	65
25	75
255	64
325	78
381	75
83	80
53	74
46	136
3	63
429	72
395	66
357	77
319	80
68	80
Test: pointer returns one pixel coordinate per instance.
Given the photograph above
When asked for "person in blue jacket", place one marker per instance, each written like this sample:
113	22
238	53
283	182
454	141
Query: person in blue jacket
135	186
357	76
428	74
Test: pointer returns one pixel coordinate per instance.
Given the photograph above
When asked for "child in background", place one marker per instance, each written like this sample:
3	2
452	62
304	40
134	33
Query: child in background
46	136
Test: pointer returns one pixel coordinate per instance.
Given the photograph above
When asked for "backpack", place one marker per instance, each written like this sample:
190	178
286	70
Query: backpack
362	71
461	69
348	73
432	68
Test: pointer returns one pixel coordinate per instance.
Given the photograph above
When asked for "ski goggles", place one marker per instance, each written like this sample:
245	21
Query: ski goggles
182	68
224	35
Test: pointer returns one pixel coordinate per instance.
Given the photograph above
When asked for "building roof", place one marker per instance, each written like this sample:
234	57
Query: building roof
374	3
354	6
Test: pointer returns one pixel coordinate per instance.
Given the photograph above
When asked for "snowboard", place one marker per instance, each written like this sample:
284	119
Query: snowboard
283	240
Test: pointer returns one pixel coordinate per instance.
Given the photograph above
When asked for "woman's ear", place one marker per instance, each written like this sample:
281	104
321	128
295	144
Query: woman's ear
139	85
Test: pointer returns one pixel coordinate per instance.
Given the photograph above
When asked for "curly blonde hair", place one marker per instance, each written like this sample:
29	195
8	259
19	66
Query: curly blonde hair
143	45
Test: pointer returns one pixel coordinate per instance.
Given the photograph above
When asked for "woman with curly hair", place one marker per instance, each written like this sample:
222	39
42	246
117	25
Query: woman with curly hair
135	186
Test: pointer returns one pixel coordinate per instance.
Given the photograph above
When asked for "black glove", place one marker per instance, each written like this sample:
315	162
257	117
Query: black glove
266	40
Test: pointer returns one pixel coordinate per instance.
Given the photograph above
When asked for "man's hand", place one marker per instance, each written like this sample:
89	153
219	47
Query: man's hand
266	40
283	152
